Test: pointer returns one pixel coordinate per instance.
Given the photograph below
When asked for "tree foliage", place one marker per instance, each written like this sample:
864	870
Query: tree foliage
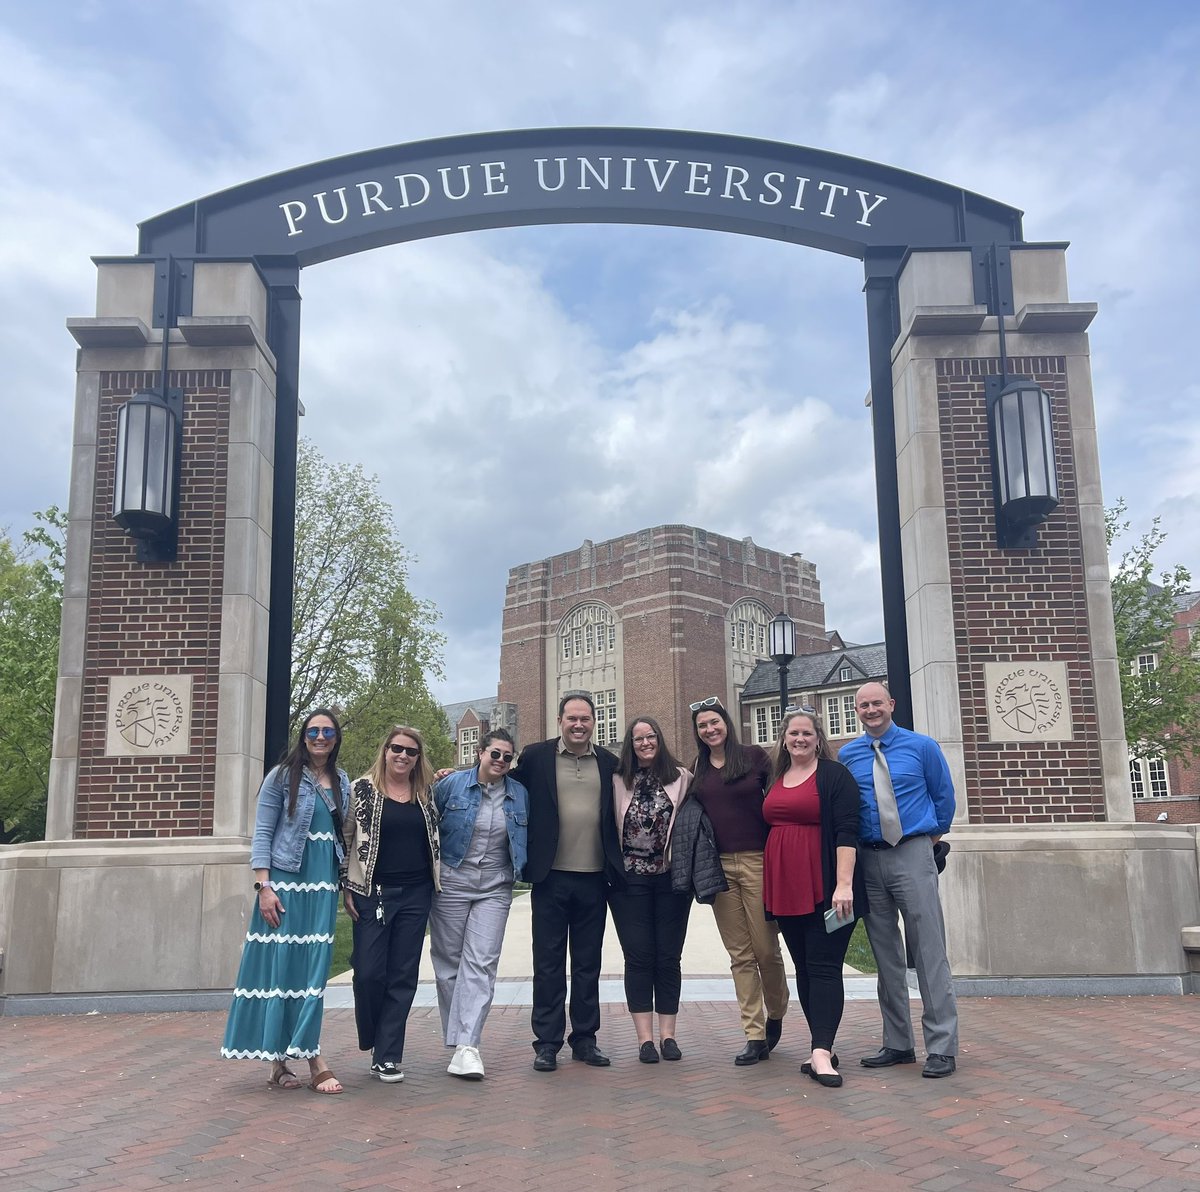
1162	707
362	643
31	586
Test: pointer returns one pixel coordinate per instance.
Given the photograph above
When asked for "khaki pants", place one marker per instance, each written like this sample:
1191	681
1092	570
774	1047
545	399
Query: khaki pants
752	943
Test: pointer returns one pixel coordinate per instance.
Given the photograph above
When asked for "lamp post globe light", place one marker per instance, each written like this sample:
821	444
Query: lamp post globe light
146	479
782	644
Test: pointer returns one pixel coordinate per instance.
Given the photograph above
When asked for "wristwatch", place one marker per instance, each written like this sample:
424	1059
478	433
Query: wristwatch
267	885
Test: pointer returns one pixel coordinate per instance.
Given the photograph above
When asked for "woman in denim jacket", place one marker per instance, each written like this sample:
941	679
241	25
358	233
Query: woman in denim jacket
296	854
483	820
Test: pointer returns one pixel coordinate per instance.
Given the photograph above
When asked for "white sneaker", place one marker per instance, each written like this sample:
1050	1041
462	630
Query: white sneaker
466	1063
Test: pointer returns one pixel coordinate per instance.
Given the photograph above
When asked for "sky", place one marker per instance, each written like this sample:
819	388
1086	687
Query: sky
520	390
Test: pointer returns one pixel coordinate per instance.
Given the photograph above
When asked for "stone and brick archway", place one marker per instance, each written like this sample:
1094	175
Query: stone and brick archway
219	279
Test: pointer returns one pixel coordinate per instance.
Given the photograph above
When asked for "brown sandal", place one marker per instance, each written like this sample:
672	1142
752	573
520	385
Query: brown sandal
285	1078
319	1079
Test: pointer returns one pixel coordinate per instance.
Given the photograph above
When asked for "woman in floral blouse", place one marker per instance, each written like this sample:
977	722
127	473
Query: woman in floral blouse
651	918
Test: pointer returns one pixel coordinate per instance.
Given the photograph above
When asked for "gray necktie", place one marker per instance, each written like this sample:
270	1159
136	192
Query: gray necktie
885	798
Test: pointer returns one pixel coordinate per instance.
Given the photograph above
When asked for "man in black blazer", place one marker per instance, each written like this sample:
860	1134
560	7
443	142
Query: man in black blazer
573	848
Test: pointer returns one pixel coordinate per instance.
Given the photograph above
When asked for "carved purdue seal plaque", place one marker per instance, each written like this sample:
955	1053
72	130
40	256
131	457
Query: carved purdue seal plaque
149	715
1027	701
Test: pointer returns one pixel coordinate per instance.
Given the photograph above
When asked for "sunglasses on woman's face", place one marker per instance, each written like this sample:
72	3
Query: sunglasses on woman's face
713	701
326	731
497	756
411	750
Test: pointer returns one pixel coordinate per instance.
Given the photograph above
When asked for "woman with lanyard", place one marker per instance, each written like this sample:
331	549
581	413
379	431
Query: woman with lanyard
393	869
295	853
729	783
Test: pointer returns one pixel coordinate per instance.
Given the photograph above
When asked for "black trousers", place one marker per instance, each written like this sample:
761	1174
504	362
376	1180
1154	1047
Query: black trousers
387	961
651	921
818	957
569	913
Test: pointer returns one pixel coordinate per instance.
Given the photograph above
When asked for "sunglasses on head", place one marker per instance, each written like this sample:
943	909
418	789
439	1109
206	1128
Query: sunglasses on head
411	750
793	708
325	731
497	756
713	701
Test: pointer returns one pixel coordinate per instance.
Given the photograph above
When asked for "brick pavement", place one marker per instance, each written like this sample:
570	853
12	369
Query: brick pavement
1052	1093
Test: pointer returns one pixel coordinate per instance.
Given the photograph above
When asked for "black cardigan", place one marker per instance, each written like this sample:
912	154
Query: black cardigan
535	770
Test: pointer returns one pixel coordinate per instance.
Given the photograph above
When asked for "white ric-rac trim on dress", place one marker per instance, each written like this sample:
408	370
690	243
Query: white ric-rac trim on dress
320	835
259	938
304	887
291	1054
318	993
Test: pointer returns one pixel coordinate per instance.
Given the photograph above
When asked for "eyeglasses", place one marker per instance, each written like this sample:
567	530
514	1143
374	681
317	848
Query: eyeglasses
497	756
648	739
411	750
325	731
793	708
713	701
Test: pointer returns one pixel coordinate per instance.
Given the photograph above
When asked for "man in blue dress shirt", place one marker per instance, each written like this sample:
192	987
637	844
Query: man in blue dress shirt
896	842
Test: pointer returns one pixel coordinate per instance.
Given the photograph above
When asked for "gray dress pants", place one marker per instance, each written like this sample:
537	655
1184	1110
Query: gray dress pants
903	880
466	929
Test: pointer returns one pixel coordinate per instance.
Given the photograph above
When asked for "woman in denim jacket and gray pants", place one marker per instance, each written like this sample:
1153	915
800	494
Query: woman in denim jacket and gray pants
483	822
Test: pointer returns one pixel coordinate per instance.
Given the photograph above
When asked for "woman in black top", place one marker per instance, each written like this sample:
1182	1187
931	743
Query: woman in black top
729	783
392	871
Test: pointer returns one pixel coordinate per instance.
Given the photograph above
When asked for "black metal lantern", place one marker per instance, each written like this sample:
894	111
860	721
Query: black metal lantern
146	481
781	635
1024	475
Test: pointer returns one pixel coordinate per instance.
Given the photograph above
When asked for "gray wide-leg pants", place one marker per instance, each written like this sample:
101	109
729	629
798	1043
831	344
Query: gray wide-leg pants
466	929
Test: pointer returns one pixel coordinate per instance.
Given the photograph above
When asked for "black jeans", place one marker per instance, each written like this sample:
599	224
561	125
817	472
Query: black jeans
651	921
818	957
387	962
569	912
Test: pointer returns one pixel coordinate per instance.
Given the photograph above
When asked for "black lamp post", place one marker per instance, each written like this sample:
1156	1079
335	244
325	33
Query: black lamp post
146	484
782	639
1021	435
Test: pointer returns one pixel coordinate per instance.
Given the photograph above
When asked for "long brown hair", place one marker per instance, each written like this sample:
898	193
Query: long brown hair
664	767
298	757
737	763
421	775
781	760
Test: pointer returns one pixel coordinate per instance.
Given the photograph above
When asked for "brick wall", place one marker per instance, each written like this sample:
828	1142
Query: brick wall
1017	604
671	589
157	618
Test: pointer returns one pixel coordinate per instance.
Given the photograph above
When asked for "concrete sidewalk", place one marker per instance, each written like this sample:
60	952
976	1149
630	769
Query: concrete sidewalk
705	966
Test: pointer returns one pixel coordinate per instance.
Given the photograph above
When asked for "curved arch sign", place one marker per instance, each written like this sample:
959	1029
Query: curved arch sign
579	175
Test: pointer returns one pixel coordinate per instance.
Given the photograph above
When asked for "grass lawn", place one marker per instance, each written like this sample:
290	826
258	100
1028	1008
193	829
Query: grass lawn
859	954
342	942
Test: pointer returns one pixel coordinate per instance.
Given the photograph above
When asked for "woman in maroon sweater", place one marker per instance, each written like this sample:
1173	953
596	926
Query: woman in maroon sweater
729	783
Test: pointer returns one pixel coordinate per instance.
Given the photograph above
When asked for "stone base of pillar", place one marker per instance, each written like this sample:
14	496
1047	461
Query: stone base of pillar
117	917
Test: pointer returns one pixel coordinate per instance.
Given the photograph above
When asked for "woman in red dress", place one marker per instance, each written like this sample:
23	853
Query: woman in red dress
808	869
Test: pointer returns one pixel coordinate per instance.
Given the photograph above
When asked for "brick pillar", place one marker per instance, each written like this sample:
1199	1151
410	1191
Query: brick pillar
157	814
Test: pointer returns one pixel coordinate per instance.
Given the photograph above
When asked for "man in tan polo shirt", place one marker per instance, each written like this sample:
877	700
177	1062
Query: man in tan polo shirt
572	848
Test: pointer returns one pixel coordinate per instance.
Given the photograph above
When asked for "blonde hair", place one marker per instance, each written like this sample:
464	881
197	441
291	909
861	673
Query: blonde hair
421	775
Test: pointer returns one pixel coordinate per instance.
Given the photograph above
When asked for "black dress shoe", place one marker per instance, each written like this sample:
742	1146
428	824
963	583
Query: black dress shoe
830	1080
806	1067
589	1053
545	1059
648	1053
670	1050
886	1057
774	1030
938	1065
755	1050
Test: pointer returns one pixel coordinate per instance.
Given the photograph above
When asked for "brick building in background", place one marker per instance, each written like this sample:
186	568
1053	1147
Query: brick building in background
471	720
648	623
1169	787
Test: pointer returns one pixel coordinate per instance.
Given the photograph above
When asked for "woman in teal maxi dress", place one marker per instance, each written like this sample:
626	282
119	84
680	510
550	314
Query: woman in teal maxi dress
297	854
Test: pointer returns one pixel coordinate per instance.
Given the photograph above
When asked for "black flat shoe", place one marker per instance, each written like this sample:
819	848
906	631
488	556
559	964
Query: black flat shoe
755	1050
670	1050
887	1057
937	1066
829	1080
648	1053
589	1053
545	1059
806	1067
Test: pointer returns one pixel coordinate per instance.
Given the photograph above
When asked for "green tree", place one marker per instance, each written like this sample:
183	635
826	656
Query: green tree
362	643
1162	708
31	588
